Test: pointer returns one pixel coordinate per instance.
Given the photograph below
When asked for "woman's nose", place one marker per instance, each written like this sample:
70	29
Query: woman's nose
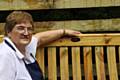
26	31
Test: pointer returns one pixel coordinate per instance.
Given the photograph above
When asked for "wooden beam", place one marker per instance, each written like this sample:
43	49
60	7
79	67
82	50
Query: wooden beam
70	13
89	40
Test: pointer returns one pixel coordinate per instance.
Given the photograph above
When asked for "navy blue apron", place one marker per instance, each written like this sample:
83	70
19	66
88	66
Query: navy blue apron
33	68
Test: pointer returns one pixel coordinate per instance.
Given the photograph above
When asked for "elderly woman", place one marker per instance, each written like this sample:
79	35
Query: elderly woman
18	50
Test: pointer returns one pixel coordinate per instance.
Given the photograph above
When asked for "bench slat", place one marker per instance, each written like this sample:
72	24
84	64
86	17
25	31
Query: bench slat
111	55
88	63
1	38
76	67
64	69
119	61
52	69
100	67
119	54
40	59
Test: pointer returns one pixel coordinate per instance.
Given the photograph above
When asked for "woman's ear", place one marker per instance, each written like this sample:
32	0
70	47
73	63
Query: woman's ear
9	34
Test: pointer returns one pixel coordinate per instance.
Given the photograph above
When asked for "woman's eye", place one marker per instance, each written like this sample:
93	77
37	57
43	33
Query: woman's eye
20	28
30	29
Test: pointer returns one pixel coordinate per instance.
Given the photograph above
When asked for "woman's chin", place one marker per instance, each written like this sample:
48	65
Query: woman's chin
25	42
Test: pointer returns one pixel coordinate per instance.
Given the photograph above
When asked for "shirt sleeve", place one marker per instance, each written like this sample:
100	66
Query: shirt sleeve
31	48
7	67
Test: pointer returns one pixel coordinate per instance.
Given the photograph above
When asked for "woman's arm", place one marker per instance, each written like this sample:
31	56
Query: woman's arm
48	36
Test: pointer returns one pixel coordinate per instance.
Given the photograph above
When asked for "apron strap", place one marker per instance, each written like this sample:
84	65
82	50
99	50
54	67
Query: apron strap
9	45
34	70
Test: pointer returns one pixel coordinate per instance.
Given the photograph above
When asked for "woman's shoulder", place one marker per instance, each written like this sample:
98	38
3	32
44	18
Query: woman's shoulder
31	48
5	51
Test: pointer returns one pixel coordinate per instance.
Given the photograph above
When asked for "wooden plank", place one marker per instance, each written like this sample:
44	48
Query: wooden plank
1	38
23	4
50	3
64	69
89	40
106	22
119	61
59	4
78	3
97	3
52	69
117	2
106	3
67	3
90	3
87	25
76	67
68	24
99	56
40	59
119	55
88	63
70	3
113	74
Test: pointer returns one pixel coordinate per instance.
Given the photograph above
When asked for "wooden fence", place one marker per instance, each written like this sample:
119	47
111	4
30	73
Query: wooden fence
86	57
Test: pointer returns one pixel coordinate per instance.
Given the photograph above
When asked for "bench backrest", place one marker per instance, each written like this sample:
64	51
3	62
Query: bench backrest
89	57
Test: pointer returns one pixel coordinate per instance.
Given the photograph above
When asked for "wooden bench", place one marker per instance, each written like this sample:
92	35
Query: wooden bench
87	57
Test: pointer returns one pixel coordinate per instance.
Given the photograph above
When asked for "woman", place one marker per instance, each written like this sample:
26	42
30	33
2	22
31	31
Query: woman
18	50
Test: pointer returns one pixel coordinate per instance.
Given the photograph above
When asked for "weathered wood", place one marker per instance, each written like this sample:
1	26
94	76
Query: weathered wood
52	67
22	4
97	3
117	2
119	54
100	66
1	38
40	59
64	69
80	25
89	40
88	63
112	63
45	4
76	66
90	3
77	3
106	3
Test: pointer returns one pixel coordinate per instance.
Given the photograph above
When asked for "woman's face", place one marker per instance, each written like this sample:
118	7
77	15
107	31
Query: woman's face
21	34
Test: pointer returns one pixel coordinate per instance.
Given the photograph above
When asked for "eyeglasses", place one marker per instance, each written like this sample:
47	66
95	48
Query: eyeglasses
23	29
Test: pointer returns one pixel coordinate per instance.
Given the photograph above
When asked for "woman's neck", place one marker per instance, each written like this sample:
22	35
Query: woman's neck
21	49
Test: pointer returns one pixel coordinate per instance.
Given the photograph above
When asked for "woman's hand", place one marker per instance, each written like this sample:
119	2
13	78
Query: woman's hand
68	32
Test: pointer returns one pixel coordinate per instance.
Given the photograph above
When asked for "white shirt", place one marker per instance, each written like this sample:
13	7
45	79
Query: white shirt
12	66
